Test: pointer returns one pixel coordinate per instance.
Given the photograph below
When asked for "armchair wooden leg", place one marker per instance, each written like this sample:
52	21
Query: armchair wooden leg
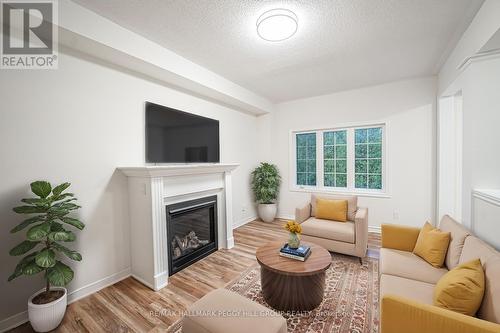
360	261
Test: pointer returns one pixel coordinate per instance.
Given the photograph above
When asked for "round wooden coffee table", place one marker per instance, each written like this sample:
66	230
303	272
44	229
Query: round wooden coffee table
292	285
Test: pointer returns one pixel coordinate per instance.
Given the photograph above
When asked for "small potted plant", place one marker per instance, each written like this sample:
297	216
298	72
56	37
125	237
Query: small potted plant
266	182
50	214
295	229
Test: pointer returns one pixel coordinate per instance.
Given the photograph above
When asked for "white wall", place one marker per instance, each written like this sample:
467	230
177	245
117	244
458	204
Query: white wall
78	124
409	109
480	86
479	83
481	110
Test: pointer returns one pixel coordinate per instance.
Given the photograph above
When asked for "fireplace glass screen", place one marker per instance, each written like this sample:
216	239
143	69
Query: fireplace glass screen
192	231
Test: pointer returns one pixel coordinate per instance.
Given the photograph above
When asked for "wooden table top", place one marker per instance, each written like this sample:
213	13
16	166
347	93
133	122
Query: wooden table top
269	257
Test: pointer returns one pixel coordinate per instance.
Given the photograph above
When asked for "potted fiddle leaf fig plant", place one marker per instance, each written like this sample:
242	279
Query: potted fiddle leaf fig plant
43	250
266	182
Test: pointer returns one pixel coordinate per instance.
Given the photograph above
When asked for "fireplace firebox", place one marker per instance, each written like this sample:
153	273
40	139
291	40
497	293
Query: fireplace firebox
191	231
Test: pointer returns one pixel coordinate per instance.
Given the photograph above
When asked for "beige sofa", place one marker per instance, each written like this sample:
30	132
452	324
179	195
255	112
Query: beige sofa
407	283
349	237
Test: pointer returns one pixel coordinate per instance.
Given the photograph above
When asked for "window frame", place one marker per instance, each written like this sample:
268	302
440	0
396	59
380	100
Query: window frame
316	156
350	189
335	159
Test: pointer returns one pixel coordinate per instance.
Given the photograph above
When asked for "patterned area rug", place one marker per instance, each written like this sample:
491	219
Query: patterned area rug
350	303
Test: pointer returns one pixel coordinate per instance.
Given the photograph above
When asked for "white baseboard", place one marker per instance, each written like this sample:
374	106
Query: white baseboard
230	243
160	280
73	296
244	221
93	287
14	321
144	282
286	217
373	228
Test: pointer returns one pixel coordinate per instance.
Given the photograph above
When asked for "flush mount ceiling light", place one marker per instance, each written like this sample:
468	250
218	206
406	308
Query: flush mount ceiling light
276	25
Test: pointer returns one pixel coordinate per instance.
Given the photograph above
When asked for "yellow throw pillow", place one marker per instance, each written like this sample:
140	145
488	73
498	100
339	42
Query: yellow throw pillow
432	245
335	210
461	289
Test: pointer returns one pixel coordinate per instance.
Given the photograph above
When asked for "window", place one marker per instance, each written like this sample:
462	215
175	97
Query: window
335	158
306	159
368	158
348	159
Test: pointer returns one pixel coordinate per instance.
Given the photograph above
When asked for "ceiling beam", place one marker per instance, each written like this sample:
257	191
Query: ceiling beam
85	31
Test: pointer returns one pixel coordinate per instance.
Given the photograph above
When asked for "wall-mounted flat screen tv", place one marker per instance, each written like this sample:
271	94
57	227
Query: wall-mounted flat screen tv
174	136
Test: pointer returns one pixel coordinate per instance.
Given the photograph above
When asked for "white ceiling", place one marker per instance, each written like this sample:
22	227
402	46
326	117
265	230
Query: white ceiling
340	44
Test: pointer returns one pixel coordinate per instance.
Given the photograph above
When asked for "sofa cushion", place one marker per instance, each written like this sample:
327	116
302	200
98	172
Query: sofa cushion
490	259
343	232
432	245
335	210
254	317
490	307
408	265
415	290
475	248
458	233
461	289
352	203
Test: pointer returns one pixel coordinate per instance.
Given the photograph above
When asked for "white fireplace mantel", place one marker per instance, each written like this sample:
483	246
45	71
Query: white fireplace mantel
177	169
151	189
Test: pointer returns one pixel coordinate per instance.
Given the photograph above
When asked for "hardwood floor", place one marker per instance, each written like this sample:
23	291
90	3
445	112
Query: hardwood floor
129	306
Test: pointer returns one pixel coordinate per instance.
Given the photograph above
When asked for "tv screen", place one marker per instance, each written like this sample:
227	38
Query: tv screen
174	136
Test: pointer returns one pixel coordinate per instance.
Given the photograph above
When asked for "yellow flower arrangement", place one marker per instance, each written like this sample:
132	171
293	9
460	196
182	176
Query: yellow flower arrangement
293	227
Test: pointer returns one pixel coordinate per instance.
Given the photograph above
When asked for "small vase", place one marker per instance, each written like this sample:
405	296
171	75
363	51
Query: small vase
293	240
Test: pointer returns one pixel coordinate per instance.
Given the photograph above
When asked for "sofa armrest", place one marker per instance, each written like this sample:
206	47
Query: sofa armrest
399	314
399	237
302	214
361	230
362	216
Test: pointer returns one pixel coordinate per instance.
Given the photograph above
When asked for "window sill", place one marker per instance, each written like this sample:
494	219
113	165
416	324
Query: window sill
368	194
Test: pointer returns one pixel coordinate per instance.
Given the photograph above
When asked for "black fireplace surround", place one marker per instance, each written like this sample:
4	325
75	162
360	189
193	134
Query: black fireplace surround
191	231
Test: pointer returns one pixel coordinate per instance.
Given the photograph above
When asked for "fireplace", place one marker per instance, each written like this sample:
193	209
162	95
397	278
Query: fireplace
191	231
154	191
